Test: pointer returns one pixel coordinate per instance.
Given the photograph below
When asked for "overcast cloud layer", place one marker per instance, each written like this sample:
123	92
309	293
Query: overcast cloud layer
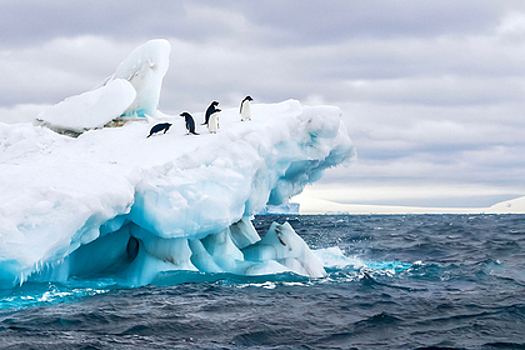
432	91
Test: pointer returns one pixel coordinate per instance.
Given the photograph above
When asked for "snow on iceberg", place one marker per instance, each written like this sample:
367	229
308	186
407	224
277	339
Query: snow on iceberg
113	202
133	91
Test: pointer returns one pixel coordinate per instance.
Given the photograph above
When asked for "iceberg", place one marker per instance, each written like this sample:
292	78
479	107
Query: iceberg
112	202
289	208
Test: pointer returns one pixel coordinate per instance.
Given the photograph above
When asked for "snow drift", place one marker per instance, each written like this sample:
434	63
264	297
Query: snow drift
111	202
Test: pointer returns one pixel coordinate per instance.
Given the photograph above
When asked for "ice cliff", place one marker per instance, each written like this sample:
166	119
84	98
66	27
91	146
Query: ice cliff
112	202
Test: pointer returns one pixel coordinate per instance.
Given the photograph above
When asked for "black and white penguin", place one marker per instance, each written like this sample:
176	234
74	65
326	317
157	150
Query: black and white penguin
213	125
158	128
245	110
209	111
190	123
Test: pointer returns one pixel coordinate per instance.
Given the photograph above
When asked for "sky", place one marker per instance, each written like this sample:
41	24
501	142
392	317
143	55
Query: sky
432	92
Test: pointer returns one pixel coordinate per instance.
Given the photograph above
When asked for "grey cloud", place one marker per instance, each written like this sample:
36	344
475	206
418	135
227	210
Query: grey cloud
54	70
27	22
275	23
306	22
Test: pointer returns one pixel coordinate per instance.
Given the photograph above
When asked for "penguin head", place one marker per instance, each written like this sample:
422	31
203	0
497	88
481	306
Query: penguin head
249	98
185	115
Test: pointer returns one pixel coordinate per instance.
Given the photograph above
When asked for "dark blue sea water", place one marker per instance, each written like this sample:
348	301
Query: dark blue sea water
459	284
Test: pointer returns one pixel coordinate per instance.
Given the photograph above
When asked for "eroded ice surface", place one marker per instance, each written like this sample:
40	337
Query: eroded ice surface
133	91
145	69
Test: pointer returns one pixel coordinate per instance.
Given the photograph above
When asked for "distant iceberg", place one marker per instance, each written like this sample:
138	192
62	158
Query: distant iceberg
513	206
288	208
112	202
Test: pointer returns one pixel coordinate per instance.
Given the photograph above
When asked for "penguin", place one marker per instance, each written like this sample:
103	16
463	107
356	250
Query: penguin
245	110
190	123
209	111
213	124
158	128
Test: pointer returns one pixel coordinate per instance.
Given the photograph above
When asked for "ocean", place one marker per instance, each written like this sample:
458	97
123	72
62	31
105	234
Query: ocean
425	282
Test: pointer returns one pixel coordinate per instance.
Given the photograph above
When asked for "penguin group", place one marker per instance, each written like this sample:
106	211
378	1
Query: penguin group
211	118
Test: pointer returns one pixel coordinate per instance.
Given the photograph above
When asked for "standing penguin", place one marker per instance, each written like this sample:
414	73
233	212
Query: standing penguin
245	110
213	124
209	111
190	123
